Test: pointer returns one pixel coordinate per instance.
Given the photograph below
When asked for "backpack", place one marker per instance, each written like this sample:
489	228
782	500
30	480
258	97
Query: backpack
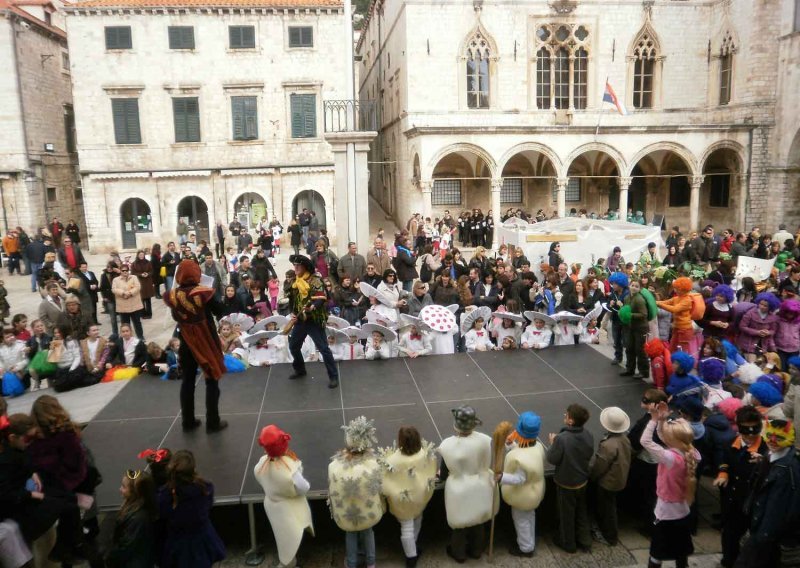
425	270
698	306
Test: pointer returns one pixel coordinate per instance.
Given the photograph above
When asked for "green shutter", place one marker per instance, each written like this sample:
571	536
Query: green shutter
248	36
297	116
304	116
244	111
181	37
126	121
242	37
294	37
118	37
186	113
193	119
307	36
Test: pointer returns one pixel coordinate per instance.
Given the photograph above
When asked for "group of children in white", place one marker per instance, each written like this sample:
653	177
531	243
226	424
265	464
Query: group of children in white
388	333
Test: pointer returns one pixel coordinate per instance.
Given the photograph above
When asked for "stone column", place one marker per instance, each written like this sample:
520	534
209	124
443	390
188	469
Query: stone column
742	193
694	202
624	184
427	198
561	196
497	186
351	187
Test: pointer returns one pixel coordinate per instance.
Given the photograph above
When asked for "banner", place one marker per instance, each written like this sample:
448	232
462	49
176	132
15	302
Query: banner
756	268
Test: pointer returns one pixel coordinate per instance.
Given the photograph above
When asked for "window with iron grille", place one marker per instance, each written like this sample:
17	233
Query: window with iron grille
572	194
181	37
118	37
720	193
301	36
242	37
679	191
446	192
511	192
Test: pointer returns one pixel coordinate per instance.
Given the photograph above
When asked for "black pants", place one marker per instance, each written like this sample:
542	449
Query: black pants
734	524
136	319
470	541
188	366
616	334
13	263
755	555
634	351
573	519
302	329
607	514
148	307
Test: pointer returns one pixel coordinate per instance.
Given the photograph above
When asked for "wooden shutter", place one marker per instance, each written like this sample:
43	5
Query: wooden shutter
118	37
237	115
186	113
307	36
126	121
297	115
294	37
181	37
309	116
248	36
250	118
242	37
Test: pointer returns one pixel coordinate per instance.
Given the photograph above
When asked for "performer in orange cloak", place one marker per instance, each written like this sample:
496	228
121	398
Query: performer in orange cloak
192	307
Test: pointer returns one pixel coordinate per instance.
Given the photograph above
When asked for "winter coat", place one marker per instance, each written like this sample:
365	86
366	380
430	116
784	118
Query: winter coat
712	445
612	462
703	250
444	295
776	503
138	269
749	327
714	314
416	304
571	453
130	286
405	265
787	336
134	542
740	471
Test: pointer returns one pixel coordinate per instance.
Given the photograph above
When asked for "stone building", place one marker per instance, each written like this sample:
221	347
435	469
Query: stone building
38	164
500	105
203	110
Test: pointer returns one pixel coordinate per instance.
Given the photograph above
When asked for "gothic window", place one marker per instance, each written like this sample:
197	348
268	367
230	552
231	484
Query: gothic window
644	68
727	49
477	58
562	66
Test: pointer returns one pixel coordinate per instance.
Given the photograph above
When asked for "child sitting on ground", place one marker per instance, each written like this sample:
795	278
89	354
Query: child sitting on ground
20	325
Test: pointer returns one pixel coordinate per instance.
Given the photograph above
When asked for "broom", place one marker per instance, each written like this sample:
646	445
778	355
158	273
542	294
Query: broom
499	436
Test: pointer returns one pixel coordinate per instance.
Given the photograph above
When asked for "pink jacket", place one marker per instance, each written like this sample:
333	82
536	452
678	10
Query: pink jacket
787	337
749	327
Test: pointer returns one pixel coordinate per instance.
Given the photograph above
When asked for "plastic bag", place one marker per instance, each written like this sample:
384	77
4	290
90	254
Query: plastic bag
41	366
234	365
12	386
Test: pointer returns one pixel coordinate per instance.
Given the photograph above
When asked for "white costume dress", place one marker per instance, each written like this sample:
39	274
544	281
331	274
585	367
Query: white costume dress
354	489
285	502
501	332
477	340
565	333
420	344
523	489
536	338
442	342
385	350
352	351
470	487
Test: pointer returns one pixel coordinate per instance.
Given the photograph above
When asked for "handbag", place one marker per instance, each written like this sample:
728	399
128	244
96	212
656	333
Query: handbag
55	351
163	272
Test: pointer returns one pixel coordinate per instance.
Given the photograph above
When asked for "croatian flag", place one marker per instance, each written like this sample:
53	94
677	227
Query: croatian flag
610	97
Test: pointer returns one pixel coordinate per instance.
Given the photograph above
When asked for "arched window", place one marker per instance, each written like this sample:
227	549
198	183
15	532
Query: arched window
562	66
726	51
478	58
643	72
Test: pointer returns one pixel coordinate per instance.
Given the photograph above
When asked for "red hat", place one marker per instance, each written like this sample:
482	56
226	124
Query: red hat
274	441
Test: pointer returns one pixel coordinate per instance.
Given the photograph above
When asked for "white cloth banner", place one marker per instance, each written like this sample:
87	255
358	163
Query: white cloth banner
756	268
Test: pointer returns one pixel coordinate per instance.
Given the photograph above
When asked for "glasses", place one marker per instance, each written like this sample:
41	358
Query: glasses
750	430
133	474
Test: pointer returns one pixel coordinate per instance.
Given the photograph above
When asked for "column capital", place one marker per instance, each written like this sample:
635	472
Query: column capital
561	183
697	181
426	185
625	182
497	184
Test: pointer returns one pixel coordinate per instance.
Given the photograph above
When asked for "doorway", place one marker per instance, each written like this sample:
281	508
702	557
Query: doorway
194	211
312	201
135	218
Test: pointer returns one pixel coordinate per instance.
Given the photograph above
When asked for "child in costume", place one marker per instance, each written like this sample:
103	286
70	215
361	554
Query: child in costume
680	306
591	333
506	327
566	330
413	341
258	354
469	484
508	344
377	346
408	481
537	335
280	474
354	350
758	326
184	505
766	398
228	338
787	336
681	381
157	464
712	371
791	403
337	348
610	469
134	540
522	481
660	362
477	338
355	478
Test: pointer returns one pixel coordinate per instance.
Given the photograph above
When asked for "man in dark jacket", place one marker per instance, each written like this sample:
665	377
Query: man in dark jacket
704	248
170	260
775	510
570	452
405	265
70	255
35	252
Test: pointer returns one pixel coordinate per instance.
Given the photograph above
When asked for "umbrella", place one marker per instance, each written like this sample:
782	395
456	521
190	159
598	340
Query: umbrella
567	316
338	335
262	325
509	316
253	339
438	318
244	321
540	316
593	314
387	333
374	316
353	331
407	320
337	322
484	312
370	292
453	308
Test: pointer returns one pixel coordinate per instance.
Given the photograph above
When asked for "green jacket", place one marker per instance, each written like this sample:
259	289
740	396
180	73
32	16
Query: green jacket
638	312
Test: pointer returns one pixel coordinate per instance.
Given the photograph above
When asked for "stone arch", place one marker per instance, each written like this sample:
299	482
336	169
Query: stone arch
260	198
196	209
735	147
612	153
681	151
530	147
136	216
461	148
313	200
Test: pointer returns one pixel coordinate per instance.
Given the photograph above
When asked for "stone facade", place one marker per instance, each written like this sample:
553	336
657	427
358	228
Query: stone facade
275	170
38	167
689	154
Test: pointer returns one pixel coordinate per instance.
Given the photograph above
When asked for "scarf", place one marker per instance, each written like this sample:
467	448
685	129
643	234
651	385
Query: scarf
404	249
302	286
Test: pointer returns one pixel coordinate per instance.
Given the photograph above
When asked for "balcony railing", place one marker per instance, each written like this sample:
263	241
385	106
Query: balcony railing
350	116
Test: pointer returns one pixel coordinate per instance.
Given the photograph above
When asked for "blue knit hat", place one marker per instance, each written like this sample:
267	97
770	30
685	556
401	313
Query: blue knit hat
619	278
712	370
684	360
529	424
766	394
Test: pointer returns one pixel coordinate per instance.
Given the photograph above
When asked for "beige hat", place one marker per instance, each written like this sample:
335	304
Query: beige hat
615	420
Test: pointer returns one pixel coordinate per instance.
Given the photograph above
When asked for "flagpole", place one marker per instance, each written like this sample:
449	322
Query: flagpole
602	110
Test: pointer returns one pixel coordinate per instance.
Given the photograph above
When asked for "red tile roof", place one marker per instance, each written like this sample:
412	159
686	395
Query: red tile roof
204	4
11	6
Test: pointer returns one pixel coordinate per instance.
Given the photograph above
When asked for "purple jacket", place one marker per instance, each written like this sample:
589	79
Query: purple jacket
787	337
59	459
749	327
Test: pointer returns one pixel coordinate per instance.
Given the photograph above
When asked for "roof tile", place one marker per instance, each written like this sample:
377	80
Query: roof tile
203	4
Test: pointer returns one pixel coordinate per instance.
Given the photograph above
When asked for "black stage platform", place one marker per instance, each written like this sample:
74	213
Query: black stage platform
420	392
